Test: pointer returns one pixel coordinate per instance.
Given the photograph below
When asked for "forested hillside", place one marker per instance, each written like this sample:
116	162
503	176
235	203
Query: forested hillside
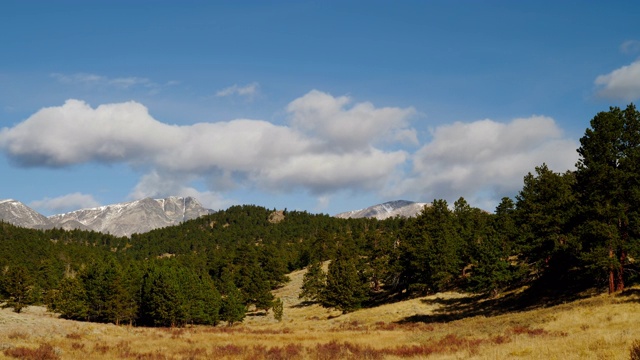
563	231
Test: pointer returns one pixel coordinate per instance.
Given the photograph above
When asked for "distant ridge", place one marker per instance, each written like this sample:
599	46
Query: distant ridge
401	208
122	219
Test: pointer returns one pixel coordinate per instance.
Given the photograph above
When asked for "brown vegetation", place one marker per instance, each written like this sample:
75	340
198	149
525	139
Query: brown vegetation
598	327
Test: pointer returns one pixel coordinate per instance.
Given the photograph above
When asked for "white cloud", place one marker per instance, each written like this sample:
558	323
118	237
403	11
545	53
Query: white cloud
630	47
248	90
484	160
240	152
622	83
330	145
65	203
76	133
351	128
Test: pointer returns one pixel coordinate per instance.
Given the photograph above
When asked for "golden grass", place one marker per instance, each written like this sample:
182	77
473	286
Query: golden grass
599	327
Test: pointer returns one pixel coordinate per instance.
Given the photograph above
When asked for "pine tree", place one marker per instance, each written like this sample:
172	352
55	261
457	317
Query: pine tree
167	307
346	288
233	308
545	214
255	287
17	285
70	300
608	190
313	282
431	250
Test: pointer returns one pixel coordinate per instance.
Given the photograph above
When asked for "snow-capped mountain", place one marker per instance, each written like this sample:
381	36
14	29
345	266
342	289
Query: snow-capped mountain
122	219
16	213
402	208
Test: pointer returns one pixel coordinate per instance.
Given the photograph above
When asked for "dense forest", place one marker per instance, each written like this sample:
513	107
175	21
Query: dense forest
564	231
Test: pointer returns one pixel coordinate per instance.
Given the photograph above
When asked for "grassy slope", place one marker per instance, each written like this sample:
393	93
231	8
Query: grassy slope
599	327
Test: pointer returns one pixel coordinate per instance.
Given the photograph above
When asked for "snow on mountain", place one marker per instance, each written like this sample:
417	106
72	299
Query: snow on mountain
122	219
139	216
402	208
19	214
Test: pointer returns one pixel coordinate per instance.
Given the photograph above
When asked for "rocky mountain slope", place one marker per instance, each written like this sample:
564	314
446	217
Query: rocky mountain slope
19	214
122	219
402	208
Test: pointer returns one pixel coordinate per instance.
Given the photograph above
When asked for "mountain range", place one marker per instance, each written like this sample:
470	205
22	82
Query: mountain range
140	216
122	219
402	208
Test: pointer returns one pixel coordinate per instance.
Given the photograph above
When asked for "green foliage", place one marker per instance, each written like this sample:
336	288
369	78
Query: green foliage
70	301
313	282
545	212
346	288
173	295
278	309
17	284
608	191
233	309
431	251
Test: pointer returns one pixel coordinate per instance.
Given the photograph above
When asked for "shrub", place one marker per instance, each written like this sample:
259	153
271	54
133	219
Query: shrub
43	352
634	353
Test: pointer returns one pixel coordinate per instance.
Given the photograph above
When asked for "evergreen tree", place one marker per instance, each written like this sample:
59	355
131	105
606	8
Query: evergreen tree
431	250
545	214
313	282
233	309
17	286
380	253
119	303
166	308
608	190
346	288
70	300
255	287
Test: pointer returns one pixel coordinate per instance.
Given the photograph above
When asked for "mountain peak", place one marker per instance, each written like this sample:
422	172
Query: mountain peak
121	219
19	214
389	209
138	216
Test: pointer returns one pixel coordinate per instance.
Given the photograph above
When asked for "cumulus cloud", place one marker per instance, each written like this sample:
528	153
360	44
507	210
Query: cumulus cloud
330	144
350	128
622	83
244	152
485	160
248	90
65	203
76	133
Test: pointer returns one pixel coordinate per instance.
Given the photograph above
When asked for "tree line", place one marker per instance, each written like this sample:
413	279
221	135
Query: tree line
574	228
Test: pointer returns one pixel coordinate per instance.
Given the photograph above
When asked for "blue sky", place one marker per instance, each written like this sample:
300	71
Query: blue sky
324	106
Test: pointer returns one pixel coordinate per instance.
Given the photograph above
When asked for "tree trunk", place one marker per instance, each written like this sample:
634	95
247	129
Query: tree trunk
612	284
623	257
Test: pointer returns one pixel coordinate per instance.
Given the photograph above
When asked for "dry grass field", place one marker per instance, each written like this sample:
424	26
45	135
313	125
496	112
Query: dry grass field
597	327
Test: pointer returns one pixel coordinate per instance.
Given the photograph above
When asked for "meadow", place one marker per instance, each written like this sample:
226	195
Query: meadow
442	326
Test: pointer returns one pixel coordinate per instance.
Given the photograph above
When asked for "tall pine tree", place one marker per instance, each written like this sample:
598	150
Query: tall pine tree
608	190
